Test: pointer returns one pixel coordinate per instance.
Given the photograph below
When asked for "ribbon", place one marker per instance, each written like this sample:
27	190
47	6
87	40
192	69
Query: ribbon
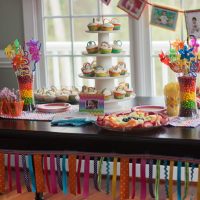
64	175
133	177
114	178
151	179
39	176
108	175
9	173
157	180
179	164
59	171
166	179
198	184
171	170
186	180
192	176
2	173
26	174
30	166
99	173
53	174
72	174
78	175
17	171
95	174
86	177
143	180
46	173
124	178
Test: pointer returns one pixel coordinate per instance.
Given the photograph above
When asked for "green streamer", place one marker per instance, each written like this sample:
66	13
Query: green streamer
100	173
157	183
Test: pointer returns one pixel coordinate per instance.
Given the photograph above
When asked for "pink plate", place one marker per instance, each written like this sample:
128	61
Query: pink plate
53	107
150	109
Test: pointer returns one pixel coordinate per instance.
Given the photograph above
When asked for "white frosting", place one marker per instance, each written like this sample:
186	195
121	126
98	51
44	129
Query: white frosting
86	70
115	21
92	24
108	25
107	92
120	91
115	69
115	46
105	46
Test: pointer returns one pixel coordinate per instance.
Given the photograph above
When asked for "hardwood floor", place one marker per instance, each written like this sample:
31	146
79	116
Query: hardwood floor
94	195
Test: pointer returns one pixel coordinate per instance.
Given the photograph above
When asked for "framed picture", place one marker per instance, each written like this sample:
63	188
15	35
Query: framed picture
164	18
133	7
192	19
107	2
92	103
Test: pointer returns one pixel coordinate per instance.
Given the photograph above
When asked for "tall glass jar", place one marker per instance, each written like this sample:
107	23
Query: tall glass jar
188	105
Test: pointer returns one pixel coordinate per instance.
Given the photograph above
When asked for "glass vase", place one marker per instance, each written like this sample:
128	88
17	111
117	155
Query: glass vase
188	104
25	80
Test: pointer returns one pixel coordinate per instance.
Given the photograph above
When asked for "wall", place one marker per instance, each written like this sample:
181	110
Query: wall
11	27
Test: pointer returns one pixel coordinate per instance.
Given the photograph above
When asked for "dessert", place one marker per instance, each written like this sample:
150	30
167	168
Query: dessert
105	48
92	47
122	66
115	71
93	26
87	70
116	24
119	93
107	27
117	46
129	92
101	72
107	94
49	96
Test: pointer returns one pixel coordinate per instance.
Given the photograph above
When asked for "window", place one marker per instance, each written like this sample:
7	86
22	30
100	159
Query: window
64	23
160	40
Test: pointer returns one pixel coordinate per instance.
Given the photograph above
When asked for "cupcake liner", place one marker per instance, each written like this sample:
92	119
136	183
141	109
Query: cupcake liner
116	50
93	28
105	51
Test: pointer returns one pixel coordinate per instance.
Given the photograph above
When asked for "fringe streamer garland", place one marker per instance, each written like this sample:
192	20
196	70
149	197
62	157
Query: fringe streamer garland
114	178
72	173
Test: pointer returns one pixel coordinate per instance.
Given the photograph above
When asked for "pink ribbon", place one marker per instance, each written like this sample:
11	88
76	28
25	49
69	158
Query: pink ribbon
143	179
17	171
53	174
9	174
86	177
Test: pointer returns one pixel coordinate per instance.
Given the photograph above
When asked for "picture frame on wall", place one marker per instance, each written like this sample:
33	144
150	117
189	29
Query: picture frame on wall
133	7
164	17
192	20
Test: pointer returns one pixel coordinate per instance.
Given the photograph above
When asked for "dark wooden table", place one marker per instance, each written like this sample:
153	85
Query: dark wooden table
38	135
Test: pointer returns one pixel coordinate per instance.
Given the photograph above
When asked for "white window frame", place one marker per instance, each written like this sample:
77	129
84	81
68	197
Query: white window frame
140	56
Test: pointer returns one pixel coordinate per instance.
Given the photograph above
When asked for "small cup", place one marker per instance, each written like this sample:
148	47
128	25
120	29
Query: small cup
12	109
172	105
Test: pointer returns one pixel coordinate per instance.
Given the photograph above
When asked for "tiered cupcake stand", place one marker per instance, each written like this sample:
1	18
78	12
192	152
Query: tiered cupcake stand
108	82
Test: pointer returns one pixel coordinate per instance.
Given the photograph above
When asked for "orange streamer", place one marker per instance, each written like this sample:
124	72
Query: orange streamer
72	174
2	173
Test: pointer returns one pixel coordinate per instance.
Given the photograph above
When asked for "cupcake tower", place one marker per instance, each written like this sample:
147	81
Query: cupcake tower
103	72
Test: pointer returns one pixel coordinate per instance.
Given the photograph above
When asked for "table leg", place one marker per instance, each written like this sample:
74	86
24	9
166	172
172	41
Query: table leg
39	196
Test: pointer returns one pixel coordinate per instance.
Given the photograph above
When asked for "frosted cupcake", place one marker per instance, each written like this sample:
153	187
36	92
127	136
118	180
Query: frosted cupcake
87	70
115	71
116	24
122	66
107	94
117	46
93	26
119	93
105	48
107	27
101	72
50	96
129	92
92	47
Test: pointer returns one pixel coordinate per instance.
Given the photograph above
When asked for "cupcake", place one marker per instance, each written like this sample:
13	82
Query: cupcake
129	92
117	46
122	66
116	24
107	27
49	97
87	70
101	72
107	94
105	48
119	93
92	90
92	47
114	71
74	96
93	26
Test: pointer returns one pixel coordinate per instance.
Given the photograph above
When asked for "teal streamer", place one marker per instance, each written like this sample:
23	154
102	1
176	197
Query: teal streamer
192	176
108	175
30	166
64	175
186	180
179	164
166	178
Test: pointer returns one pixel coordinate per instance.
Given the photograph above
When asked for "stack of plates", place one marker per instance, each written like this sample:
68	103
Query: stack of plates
53	107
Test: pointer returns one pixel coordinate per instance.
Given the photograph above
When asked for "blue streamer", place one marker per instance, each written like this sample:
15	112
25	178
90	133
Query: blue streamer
64	175
166	179
30	166
108	175
179	164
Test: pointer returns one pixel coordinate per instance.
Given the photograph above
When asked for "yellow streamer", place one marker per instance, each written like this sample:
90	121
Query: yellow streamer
114	178
171	170
198	184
